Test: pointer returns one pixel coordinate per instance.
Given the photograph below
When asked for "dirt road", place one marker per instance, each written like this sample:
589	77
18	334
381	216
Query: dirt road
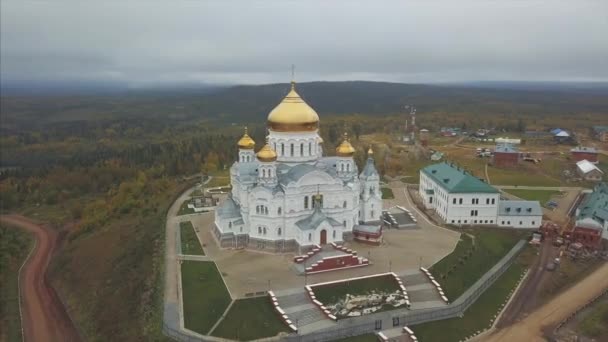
44	317
530	329
526	298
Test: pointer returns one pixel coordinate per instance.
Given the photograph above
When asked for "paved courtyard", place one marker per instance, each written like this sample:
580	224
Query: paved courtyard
402	251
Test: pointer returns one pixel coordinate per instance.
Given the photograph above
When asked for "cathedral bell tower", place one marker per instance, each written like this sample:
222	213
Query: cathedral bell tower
371	198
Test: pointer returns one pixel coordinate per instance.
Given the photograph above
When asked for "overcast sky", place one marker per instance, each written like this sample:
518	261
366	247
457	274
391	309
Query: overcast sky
153	42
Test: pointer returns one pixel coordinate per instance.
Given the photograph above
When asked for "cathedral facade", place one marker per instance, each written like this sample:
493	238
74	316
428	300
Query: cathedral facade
288	197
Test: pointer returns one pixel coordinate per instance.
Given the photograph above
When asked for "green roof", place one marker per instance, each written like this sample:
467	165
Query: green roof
595	204
456	180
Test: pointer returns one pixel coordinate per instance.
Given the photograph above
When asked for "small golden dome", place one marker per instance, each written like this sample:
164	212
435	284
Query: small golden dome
293	114
320	140
246	143
266	154
370	152
345	149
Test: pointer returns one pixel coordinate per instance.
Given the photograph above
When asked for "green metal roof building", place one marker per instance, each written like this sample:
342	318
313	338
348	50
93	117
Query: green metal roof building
457	180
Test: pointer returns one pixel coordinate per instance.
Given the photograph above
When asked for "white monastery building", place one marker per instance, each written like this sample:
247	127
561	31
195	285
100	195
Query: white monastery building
288	196
460	198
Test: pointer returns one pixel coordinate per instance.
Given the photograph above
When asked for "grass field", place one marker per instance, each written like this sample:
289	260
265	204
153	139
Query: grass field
184	210
205	297
595	323
478	316
250	319
332	293
15	245
520	177
190	243
387	193
543	196
470	260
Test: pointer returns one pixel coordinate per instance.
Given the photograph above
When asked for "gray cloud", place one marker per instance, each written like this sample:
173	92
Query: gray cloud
153	42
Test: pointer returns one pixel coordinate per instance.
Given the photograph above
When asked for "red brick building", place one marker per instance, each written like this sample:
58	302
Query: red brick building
581	153
505	155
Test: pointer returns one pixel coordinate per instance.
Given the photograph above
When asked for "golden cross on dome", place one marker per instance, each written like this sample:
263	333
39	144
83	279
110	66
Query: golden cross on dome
293	76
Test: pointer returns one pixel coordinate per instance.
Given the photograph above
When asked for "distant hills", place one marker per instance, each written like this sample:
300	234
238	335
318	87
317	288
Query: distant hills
252	103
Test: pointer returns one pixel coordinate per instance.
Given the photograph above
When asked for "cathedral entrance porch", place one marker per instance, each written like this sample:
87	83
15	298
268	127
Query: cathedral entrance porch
323	237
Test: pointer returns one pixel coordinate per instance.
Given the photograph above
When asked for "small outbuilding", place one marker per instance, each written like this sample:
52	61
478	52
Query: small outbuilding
589	171
520	214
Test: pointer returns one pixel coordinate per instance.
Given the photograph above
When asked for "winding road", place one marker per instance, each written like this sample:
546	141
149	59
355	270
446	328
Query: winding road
43	316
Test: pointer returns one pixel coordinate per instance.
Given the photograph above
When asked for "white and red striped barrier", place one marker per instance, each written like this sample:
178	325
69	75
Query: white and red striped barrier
281	312
436	284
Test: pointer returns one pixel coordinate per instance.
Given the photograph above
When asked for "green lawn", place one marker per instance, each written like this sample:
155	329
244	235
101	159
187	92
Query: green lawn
184	210
387	193
478	316
332	293
517	177
250	319
595	323
15	245
463	267
205	297
543	196
190	243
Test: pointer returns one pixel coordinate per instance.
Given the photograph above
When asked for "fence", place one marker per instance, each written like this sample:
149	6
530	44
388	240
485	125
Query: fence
388	319
398	318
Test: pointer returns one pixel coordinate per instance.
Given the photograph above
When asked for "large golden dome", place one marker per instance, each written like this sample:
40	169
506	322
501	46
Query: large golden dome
266	154
293	114
246	143
345	149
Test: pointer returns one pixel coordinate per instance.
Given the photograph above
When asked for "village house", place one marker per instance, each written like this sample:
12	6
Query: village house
584	153
589	171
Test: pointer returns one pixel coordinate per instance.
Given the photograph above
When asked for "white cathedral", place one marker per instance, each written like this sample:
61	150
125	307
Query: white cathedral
288	197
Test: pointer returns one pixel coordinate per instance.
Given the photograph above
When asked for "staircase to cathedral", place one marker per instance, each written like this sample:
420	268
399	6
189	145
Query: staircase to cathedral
302	312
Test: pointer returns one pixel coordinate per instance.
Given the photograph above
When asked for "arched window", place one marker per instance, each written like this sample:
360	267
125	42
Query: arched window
291	150
279	231
309	237
264	173
301	149
274	146
334	233
266	210
257	209
372	213
279	211
342	167
282	149
309	148
229	224
264	230
344	223
241	229
305	202
344	205
347	167
260	230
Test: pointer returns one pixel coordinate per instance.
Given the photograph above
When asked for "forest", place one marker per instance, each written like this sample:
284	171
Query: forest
105	168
